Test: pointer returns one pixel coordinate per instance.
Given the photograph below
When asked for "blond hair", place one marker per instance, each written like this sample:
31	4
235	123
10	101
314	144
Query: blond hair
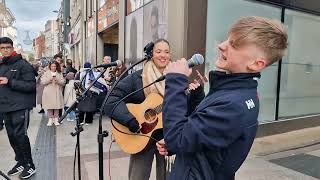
268	35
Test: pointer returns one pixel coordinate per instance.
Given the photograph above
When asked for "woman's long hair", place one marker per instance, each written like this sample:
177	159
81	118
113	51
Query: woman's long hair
57	66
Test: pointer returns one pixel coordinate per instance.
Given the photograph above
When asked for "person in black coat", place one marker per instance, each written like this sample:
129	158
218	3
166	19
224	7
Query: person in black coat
214	140
69	67
17	97
141	163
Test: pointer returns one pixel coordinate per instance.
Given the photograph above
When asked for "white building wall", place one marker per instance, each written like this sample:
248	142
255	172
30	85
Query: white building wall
11	32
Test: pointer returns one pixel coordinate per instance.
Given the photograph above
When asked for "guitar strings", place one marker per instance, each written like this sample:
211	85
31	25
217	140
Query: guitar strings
132	134
121	100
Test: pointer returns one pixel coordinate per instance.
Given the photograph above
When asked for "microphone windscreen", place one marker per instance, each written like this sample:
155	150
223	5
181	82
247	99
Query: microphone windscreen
195	60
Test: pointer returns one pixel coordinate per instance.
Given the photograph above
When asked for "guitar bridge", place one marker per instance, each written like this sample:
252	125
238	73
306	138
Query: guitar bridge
147	127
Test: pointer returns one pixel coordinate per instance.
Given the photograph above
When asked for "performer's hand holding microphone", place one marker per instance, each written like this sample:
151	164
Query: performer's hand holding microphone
183	66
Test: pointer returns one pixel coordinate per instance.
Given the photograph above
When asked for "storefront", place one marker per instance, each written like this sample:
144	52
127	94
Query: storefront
75	42
288	90
145	21
108	28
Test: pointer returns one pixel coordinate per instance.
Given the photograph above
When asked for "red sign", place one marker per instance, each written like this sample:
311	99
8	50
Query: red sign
108	14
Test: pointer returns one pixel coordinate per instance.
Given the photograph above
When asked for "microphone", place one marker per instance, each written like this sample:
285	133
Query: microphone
115	63
195	60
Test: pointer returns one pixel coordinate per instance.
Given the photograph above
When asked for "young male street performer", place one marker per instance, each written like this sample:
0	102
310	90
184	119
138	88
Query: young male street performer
213	142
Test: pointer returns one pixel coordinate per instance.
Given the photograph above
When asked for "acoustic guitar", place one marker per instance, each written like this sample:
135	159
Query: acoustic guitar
149	116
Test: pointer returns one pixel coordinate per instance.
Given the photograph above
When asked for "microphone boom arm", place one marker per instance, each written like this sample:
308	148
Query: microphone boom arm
83	95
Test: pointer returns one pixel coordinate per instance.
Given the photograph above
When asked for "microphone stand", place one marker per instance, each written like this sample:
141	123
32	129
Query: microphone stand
78	128
4	175
102	134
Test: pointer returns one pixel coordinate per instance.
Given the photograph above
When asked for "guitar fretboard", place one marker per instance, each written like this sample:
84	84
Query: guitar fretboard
158	109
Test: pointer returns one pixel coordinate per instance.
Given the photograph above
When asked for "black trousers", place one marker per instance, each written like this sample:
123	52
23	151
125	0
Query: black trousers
60	112
17	123
88	119
1	118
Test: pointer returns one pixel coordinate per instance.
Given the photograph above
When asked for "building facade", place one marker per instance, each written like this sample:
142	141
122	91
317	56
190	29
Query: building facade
10	32
51	38
288	90
75	40
39	46
7	20
108	28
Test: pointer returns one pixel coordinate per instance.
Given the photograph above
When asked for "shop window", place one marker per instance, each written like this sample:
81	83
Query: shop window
221	15
300	82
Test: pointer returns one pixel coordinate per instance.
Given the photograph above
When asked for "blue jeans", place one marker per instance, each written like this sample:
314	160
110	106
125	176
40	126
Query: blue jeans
71	115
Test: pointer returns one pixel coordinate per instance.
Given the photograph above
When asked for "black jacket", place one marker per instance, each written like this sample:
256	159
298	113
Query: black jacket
129	84
20	92
212	142
70	69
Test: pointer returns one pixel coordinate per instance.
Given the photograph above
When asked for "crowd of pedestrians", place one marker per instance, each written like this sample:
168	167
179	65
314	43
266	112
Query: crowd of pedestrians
51	84
56	90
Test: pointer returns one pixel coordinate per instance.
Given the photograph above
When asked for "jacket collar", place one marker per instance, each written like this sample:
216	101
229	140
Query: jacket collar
12	59
222	81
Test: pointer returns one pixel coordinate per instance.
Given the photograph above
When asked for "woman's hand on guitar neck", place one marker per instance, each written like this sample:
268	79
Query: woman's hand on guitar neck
161	146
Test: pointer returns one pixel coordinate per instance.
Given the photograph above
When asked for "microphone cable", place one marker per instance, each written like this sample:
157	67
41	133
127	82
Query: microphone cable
101	133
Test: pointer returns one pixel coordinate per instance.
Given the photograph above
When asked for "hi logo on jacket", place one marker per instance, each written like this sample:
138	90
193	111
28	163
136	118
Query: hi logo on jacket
250	104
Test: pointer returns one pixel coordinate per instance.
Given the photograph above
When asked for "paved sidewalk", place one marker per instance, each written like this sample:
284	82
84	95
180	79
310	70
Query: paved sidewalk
264	163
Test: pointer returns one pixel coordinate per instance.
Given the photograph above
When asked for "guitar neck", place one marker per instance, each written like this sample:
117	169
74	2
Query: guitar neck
158	109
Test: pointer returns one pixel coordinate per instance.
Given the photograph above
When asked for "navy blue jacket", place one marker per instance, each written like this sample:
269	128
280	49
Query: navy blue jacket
20	92
213	142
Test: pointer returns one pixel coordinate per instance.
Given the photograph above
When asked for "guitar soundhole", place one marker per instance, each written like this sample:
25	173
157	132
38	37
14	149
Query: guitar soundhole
150	115
151	121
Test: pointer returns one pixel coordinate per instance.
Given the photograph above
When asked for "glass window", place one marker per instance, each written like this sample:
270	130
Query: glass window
134	39
221	15
300	82
133	5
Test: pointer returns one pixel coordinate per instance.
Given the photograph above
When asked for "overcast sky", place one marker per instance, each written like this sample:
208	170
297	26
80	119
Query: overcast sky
31	15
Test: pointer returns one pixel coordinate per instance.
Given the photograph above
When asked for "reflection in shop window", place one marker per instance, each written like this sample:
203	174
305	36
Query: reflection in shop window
218	24
300	82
